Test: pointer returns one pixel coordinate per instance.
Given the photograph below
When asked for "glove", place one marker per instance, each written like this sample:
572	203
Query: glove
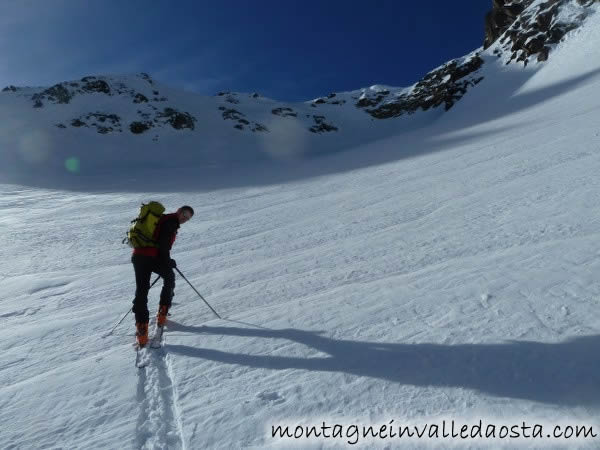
172	264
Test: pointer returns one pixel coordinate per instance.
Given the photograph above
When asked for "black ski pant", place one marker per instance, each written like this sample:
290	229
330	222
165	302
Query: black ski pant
144	266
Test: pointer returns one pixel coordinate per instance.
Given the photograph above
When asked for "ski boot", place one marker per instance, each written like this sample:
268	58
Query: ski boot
141	333
161	316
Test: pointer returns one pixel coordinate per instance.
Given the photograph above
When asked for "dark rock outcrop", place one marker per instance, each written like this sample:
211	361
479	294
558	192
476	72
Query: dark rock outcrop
62	93
146	77
148	117
56	94
94	85
445	85
526	30
284	112
139	127
104	123
230	114
230	97
178	120
321	126
242	122
366	102
140	98
502	15
260	128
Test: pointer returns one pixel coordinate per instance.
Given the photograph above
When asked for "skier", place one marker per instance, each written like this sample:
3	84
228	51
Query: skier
146	260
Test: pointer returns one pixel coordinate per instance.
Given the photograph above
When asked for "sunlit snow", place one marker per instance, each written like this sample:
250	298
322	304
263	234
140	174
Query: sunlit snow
448	272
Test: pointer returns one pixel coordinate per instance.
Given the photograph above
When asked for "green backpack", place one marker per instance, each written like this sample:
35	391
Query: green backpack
141	233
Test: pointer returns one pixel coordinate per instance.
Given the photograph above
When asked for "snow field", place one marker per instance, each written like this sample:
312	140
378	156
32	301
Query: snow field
444	273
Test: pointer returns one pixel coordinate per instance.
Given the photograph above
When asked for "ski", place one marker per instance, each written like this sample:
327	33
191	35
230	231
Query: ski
156	341
142	356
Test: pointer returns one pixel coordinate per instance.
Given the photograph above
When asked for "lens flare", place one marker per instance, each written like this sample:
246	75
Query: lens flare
72	164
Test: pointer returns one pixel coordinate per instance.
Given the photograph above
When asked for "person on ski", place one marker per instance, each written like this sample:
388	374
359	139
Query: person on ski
146	260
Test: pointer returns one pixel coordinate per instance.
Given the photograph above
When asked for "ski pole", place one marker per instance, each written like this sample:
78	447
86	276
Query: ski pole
199	295
128	311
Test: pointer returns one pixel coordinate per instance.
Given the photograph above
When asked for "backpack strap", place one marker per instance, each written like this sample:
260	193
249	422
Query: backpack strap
159	224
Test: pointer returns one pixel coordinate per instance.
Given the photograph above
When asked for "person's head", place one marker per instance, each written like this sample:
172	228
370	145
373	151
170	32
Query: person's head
185	213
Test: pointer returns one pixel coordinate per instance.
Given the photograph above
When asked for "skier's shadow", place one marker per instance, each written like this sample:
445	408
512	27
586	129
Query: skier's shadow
566	373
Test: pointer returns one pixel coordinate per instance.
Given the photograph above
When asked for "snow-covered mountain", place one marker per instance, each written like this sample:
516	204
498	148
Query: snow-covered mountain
161	126
440	274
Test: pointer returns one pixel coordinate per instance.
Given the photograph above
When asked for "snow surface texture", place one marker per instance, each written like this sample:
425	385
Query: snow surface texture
446	273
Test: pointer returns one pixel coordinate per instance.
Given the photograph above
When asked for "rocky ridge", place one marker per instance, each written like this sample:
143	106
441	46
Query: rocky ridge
107	122
528	29
442	86
518	31
525	29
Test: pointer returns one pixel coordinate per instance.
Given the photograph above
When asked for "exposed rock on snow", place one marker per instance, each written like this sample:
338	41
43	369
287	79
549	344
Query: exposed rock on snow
104	123
534	30
139	127
445	85
242	122
284	112
497	21
56	94
63	93
147	78
321	126
140	98
328	100
178	120
92	84
230	97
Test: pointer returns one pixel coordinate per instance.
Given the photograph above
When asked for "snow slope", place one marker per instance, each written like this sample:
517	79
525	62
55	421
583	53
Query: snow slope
39	138
448	273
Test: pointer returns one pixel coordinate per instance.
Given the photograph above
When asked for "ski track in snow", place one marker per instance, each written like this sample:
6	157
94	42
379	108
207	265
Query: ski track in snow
159	421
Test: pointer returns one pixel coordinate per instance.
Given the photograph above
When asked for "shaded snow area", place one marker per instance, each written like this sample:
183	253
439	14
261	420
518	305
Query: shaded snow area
442	277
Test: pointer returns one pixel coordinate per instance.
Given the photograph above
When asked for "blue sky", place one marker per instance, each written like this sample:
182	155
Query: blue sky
288	50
